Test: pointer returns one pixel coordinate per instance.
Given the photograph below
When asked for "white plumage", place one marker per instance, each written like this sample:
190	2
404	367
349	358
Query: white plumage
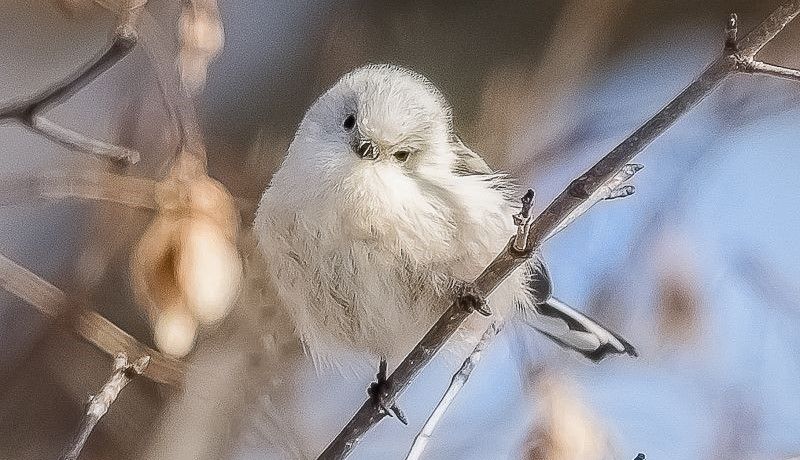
378	211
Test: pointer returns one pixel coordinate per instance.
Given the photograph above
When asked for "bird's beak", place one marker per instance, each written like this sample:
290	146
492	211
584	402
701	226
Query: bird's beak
367	150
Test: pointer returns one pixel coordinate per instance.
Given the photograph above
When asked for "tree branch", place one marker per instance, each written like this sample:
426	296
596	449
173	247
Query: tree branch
89	325
27	111
580	190
136	192
758	67
100	403
611	190
178	105
76	141
456	384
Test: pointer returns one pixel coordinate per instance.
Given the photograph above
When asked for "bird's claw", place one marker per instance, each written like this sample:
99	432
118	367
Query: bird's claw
378	391
472	299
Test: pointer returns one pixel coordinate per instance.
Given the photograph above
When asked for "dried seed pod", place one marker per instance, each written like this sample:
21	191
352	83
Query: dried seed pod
186	269
566	427
209	270
677	308
175	332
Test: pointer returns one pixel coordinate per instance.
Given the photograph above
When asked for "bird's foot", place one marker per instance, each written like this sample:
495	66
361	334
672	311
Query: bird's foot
378	391
471	298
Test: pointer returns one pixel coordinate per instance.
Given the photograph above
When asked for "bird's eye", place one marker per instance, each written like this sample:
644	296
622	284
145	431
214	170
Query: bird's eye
401	155
349	122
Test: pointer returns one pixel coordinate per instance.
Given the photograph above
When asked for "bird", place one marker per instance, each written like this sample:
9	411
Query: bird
379	216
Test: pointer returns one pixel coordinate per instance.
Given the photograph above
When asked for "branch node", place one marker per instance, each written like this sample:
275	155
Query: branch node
126	36
120	361
731	29
523	223
621	192
140	365
629	170
581	188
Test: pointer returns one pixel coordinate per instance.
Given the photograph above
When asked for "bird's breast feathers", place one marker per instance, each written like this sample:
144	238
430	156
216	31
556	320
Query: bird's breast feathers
374	267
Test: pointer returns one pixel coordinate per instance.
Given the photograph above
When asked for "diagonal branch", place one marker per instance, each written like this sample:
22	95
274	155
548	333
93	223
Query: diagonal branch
101	402
27	111
77	141
613	189
89	325
178	105
580	190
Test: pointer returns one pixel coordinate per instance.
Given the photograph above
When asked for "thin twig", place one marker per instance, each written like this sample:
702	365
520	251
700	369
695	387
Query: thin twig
101	402
611	190
179	106
89	325
136	192
77	141
580	190
523	222
27	111
456	384
758	67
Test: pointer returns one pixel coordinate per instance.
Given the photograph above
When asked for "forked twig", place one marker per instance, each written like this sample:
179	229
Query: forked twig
27	111
100	403
611	190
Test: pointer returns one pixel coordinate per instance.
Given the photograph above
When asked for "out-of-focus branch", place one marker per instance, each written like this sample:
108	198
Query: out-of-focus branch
136	192
580	190
77	141
89	325
27	111
176	101
101	402
456	384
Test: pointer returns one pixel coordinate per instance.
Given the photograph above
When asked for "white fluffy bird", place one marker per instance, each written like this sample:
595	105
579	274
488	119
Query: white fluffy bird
379	215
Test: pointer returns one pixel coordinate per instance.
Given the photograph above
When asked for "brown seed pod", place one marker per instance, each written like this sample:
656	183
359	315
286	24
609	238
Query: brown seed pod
186	269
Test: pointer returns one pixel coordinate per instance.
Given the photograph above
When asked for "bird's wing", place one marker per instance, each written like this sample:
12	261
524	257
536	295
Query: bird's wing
467	162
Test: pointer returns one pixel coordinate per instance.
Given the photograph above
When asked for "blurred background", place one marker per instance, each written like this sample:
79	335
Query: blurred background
699	269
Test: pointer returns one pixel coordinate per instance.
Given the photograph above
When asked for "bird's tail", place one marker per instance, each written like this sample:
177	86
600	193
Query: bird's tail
574	330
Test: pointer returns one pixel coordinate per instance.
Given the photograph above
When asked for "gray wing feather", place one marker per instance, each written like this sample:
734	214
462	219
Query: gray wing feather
467	161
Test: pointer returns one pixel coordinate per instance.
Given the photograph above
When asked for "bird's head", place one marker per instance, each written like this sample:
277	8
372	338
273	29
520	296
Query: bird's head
378	142
377	116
